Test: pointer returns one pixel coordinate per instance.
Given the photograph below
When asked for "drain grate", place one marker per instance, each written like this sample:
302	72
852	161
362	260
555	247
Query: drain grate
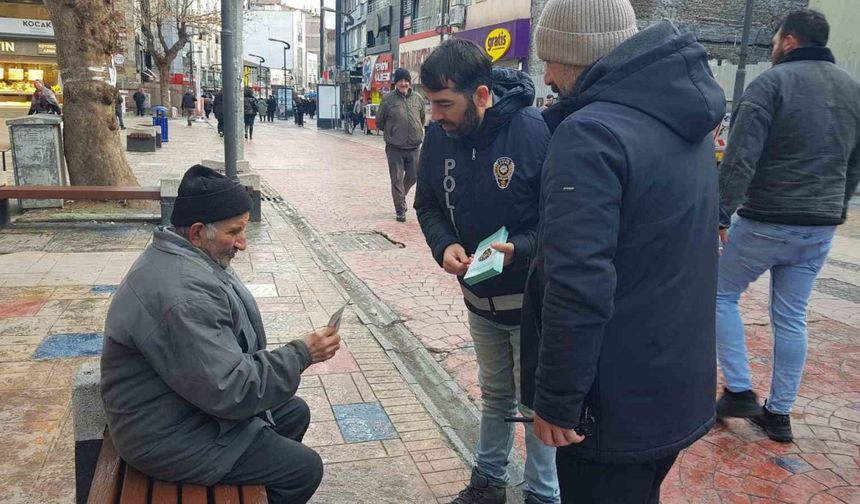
269	193
353	241
838	288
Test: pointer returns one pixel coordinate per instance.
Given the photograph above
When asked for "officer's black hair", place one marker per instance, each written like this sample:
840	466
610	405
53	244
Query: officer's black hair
457	64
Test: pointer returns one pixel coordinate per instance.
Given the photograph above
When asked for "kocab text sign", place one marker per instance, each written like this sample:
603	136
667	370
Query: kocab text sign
26	27
497	43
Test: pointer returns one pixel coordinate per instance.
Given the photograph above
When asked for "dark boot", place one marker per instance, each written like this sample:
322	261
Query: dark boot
738	404
480	491
776	426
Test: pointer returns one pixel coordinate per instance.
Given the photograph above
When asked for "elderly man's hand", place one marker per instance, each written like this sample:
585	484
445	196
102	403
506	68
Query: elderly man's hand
322	344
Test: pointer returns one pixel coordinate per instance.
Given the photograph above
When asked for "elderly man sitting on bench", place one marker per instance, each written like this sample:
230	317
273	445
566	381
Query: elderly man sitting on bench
190	391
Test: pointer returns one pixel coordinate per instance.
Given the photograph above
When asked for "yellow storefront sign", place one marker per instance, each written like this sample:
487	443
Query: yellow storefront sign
497	43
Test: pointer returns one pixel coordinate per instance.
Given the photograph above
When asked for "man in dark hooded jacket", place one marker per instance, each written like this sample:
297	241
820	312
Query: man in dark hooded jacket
618	323
480	170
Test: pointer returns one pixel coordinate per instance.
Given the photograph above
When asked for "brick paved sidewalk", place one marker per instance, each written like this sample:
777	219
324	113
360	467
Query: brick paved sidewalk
341	185
377	440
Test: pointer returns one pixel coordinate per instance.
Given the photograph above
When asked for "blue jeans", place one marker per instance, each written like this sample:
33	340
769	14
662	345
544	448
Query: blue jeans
497	348
794	255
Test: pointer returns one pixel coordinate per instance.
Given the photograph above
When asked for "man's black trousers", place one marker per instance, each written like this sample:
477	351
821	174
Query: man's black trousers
586	482
290	470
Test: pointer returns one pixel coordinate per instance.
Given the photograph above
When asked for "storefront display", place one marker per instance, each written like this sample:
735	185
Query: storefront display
27	53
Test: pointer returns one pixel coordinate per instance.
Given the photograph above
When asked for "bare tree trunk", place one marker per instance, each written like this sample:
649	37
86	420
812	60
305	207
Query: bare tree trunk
85	30
164	82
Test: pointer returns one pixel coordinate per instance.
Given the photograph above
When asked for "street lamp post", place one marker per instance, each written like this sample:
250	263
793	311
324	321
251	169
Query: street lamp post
259	71
286	46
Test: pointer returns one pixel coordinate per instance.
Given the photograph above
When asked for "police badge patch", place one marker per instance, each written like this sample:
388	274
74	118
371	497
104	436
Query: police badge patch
503	170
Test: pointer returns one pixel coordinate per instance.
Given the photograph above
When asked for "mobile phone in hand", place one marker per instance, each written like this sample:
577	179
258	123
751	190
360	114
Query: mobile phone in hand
336	317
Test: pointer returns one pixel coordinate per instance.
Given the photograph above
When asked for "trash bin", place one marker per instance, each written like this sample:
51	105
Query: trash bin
159	118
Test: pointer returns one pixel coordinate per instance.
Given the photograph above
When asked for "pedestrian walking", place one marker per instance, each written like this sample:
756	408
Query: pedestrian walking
189	105
618	339
271	108
207	104
262	104
139	101
791	165
218	110
480	170
358	113
119	109
401	118
249	107
300	112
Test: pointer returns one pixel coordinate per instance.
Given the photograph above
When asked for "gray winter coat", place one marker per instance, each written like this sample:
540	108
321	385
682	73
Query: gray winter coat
186	380
793	155
402	119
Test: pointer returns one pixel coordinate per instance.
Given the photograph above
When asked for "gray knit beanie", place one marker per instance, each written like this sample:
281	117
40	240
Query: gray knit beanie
579	32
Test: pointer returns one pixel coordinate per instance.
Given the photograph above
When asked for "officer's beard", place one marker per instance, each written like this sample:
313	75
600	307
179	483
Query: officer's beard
469	124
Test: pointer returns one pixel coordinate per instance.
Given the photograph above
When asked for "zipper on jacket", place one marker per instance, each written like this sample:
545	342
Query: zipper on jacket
473	153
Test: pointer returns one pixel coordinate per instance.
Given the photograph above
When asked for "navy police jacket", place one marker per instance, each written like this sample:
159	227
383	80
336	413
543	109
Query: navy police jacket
470	187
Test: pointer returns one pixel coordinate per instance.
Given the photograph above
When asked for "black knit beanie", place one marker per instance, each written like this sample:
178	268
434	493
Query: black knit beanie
207	196
400	74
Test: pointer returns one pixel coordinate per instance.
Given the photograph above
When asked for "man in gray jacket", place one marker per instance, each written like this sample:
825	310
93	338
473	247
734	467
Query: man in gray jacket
791	165
190	391
401	116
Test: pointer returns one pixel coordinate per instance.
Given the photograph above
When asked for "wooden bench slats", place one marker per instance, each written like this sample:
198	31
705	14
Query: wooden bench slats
194	494
80	192
134	487
106	485
164	492
112	485
226	494
254	495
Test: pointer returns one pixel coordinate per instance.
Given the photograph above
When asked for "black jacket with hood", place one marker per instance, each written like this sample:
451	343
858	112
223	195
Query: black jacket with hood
620	306
470	187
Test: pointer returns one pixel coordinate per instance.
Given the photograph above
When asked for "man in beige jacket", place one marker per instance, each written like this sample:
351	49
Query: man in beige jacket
401	117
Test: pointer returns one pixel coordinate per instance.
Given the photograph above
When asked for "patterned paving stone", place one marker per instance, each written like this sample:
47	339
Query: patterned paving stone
104	288
363	422
20	308
342	362
58	346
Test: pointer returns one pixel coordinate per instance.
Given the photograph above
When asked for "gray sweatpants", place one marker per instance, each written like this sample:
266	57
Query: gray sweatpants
403	169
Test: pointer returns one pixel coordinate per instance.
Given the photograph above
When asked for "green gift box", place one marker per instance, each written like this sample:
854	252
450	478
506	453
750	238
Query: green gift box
487	262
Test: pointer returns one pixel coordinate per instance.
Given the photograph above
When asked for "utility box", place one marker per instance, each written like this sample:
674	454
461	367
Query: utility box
37	153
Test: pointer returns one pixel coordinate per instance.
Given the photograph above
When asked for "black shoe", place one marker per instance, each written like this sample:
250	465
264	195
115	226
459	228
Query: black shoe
480	491
738	404
777	427
401	217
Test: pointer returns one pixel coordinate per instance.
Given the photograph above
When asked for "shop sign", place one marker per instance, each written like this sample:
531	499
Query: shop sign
7	46
47	49
381	75
508	40
497	43
27	27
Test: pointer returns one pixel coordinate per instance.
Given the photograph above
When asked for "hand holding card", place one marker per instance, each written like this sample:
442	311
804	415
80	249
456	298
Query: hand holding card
336	317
